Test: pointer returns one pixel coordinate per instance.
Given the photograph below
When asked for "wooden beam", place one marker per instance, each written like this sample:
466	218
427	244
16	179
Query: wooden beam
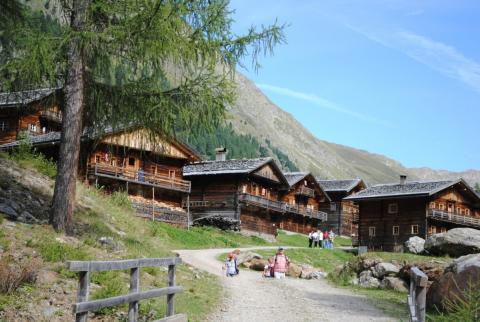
82	294
123	299
170	297
97	266
134	286
174	318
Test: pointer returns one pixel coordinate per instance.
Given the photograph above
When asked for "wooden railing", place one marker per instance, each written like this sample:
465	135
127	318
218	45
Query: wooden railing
307	212
262	202
163	214
51	115
305	191
416	300
453	217
83	305
208	204
140	177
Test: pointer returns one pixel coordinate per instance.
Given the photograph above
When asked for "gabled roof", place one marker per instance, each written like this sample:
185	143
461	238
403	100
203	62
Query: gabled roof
234	167
295	177
339	185
24	97
408	189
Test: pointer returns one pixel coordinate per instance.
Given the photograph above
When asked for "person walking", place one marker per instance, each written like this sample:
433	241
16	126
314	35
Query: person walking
231	265
310	239
280	264
325	239
315	239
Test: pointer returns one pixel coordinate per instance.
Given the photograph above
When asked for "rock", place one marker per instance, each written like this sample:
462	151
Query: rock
307	271
247	256
316	275
354	281
110	243
49	311
8	211
459	276
366	263
394	283
27	217
415	245
258	264
382	269
455	242
367	280
294	270
14	205
434	270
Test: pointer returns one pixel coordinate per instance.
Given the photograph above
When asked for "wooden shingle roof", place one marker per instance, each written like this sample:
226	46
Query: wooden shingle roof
339	185
24	97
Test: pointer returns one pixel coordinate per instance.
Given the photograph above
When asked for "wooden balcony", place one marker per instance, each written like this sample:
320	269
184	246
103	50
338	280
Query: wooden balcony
307	212
305	191
196	204
51	116
262	202
453	218
139	177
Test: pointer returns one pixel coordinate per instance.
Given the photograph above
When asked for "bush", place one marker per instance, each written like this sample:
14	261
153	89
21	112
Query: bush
52	251
14	274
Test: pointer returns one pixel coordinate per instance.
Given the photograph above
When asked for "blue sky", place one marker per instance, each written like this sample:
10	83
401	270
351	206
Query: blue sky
399	78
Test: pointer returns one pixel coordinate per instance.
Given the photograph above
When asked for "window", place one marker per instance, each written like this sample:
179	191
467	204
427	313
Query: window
458	210
467	212
3	125
441	206
393	208
171	173
433	205
264	192
33	127
244	188
443	229
97	159
396	230
371	231
333	206
131	162
414	229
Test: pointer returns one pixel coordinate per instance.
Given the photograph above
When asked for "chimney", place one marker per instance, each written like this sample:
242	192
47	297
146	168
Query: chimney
220	154
403	179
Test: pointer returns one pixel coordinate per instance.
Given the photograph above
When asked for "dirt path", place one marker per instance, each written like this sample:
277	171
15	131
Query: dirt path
253	298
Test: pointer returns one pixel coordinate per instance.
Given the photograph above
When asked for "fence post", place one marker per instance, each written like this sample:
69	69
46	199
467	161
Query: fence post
420	301
171	297
82	295
134	285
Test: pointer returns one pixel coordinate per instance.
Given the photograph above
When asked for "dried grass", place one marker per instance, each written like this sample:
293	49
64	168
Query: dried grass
16	272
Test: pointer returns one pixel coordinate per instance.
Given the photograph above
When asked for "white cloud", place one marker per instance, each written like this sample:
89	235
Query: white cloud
322	102
434	54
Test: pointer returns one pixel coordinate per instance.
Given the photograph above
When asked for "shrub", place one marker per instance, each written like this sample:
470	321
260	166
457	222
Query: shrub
52	251
120	198
111	287
14	274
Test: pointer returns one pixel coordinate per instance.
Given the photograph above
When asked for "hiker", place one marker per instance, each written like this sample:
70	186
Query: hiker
310	239
315	239
331	237
268	270
320	239
280	264
231	265
325	239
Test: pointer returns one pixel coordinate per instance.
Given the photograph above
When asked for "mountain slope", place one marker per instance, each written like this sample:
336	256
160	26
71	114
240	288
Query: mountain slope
256	115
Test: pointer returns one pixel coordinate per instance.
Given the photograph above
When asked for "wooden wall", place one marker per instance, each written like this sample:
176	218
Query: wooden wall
348	226
259	221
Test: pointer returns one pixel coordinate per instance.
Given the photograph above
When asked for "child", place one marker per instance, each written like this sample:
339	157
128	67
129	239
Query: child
267	272
231	265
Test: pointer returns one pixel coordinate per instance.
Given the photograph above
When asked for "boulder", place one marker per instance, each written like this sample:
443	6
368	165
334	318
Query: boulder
246	257
394	283
382	269
8	211
366	263
367	280
257	264
307	271
316	275
434	270
415	245
459	277
455	242
294	270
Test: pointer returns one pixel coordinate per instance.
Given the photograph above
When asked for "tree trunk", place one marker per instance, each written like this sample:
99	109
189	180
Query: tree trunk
63	204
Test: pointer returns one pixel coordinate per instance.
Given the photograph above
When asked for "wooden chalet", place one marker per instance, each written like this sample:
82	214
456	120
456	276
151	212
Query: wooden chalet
389	214
36	113
304	199
342	214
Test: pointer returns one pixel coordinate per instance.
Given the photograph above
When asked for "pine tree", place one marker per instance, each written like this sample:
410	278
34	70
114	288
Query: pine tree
158	63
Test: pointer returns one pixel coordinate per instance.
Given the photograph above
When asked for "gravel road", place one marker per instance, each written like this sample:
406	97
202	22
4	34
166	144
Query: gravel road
253	298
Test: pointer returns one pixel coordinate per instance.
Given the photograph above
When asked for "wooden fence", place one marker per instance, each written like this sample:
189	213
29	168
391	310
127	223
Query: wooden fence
417	298
83	305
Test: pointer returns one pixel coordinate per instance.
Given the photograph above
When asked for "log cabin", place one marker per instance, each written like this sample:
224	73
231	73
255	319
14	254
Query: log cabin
304	199
389	214
237	194
35	112
342	214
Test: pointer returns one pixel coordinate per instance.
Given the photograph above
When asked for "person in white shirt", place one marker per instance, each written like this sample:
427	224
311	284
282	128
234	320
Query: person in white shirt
320	239
315	239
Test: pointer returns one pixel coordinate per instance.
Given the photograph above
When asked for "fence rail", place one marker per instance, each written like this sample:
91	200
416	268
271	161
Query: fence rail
262	202
140	177
307	212
453	217
416	300
83	305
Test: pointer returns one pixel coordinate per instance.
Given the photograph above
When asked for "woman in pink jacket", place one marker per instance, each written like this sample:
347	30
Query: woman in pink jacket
280	264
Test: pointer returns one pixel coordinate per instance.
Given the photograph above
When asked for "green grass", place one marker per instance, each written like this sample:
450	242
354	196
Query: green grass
300	240
405	257
53	251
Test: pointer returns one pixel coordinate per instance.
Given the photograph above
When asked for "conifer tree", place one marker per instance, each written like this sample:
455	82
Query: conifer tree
158	63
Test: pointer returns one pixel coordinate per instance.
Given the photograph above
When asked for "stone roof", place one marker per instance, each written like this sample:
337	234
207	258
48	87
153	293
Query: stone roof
339	185
421	188
240	166
51	137
24	97
294	177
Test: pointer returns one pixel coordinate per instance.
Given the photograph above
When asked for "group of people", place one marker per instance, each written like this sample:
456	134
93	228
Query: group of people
276	268
323	239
